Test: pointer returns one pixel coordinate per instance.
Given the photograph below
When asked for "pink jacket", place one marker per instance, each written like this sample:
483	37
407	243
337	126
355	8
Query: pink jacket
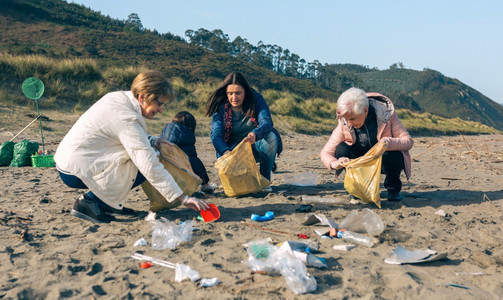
389	129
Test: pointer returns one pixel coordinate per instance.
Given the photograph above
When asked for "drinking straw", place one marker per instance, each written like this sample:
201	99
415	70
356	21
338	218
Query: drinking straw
153	260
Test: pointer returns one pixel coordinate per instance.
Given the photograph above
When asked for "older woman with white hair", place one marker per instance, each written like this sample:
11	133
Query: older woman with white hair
363	120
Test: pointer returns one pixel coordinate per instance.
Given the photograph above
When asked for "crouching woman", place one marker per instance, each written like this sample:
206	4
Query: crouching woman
108	151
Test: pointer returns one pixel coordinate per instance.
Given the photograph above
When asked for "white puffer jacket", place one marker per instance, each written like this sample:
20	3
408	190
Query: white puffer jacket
107	146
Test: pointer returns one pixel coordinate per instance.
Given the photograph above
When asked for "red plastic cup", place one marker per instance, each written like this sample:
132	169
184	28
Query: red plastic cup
211	214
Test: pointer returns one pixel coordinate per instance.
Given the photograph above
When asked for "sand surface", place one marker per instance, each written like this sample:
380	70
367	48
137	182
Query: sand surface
46	253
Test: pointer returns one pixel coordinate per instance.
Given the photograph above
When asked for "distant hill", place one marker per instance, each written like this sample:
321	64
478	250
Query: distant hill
57	29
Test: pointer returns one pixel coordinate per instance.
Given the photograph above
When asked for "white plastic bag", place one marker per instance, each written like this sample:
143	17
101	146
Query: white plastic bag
366	222
169	235
183	272
264	256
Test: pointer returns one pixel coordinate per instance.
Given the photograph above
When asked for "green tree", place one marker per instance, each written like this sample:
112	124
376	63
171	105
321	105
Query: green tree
133	22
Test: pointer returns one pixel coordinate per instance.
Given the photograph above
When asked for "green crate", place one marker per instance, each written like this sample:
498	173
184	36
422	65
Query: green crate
42	161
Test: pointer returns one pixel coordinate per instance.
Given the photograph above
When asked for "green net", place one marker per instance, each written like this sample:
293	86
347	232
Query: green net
33	88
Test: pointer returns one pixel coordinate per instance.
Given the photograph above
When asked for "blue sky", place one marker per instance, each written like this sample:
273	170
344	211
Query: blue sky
461	39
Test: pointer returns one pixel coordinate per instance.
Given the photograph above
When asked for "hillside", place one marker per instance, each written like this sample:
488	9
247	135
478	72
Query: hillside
60	30
430	91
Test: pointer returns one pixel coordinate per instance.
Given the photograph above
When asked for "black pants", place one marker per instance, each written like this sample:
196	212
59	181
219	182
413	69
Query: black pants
392	164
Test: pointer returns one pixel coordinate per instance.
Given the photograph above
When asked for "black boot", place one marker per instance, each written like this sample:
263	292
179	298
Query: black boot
87	209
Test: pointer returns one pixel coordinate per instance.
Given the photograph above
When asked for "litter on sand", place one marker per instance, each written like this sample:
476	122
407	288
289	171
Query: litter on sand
345	247
401	255
319	218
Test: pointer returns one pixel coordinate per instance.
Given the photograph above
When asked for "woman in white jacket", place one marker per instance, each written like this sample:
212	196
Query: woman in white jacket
108	151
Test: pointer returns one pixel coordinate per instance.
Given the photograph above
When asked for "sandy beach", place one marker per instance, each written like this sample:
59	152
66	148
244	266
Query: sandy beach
46	253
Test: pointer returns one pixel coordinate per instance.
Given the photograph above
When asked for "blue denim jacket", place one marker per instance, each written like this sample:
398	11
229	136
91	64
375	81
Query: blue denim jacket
264	120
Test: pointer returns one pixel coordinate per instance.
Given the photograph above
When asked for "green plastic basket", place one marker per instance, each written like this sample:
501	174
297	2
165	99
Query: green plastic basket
42	161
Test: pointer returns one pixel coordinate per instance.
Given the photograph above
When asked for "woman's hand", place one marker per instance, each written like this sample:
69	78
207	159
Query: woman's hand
338	164
250	138
194	203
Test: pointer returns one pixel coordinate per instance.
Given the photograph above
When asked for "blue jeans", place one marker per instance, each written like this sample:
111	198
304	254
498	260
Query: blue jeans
75	182
267	149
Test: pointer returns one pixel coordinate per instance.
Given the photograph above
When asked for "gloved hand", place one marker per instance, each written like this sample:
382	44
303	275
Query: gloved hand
385	140
339	164
194	203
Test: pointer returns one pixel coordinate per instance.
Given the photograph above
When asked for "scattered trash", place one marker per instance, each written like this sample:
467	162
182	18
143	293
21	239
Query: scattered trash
316	199
366	222
354	201
208	282
304	208
152	260
263	256
317	218
266	217
440	212
306	246
211	214
298	250
302	236
183	272
470	273
458	286
345	247
303	179
401	255
356	238
145	265
151	216
140	242
169	235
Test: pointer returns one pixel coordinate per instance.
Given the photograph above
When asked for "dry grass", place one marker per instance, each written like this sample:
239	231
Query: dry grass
73	85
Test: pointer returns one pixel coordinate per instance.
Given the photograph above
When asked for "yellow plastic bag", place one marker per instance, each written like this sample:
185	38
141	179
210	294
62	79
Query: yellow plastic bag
239	173
363	175
176	162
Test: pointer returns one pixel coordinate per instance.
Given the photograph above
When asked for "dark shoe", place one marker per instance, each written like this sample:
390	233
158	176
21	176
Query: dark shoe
394	196
87	209
274	167
118	212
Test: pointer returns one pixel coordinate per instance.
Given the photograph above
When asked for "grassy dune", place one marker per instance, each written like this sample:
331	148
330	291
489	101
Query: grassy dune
72	85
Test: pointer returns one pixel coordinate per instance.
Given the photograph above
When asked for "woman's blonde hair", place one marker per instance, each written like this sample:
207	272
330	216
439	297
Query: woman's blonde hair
154	85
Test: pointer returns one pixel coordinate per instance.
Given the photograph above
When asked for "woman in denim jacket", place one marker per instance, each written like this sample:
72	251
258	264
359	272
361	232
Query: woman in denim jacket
240	113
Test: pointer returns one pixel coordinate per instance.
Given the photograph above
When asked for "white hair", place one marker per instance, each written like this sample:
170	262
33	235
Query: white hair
353	100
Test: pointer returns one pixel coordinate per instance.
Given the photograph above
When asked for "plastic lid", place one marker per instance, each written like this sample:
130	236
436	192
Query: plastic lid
211	214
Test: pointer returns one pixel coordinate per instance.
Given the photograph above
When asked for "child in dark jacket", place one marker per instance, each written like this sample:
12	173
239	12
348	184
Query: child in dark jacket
181	133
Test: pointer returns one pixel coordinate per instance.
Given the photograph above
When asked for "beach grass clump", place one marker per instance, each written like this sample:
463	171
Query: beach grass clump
121	78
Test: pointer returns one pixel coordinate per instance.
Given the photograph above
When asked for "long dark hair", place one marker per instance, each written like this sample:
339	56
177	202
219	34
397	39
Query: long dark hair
219	97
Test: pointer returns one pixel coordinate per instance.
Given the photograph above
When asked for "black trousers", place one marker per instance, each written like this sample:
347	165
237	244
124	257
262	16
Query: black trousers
392	164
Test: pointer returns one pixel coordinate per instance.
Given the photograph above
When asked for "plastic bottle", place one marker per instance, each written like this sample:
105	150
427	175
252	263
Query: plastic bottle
356	238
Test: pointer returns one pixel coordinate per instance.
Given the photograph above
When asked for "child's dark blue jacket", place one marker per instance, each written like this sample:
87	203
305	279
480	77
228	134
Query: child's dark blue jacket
184	138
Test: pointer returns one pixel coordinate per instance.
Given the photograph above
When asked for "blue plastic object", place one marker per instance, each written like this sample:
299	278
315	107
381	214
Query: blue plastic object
267	217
